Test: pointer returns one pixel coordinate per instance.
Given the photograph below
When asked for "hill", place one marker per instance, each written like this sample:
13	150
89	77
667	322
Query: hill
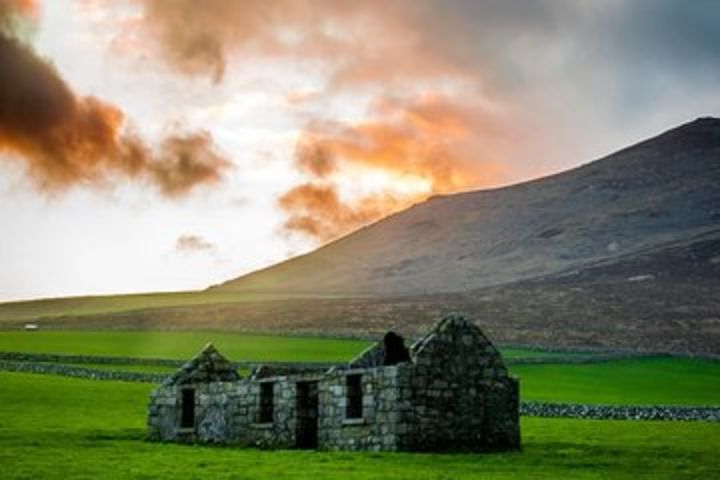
639	200
622	252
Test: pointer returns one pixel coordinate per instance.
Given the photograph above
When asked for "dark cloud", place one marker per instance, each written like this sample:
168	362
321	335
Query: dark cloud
65	139
185	161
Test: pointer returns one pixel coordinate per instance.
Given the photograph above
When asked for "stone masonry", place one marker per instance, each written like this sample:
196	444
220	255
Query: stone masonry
450	391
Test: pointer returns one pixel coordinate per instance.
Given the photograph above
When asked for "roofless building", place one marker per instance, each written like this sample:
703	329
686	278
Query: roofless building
450	391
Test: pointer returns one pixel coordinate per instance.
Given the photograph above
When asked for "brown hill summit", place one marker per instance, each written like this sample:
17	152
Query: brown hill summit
638	202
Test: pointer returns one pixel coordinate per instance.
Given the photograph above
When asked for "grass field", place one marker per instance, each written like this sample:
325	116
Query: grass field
646	381
183	345
52	307
56	427
669	381
53	427
639	381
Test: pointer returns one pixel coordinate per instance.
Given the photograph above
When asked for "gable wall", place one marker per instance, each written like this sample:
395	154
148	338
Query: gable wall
462	396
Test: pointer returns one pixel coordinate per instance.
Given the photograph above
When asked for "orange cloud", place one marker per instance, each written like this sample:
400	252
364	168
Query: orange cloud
430	136
364	41
446	143
16	10
450	146
437	142
196	37
316	210
65	139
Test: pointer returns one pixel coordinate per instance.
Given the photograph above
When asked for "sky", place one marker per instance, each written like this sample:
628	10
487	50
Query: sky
161	145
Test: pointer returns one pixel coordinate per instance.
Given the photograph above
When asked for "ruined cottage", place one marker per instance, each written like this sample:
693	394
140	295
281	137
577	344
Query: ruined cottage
450	391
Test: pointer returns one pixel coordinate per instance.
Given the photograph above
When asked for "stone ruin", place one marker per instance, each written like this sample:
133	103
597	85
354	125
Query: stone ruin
450	391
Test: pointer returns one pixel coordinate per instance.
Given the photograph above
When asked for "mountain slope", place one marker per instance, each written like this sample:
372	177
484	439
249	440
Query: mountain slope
638	201
623	252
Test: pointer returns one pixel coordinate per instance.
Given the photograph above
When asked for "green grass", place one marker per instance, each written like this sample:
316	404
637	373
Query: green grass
51	307
99	304
516	352
637	381
54	427
642	381
108	303
181	345
671	381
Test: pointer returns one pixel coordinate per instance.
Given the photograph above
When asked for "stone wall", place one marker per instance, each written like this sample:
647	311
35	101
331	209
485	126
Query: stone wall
385	403
160	362
93	359
461	395
226	412
622	412
372	356
245	414
81	372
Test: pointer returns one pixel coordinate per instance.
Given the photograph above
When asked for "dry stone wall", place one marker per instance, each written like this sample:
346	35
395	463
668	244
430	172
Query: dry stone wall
81	372
622	412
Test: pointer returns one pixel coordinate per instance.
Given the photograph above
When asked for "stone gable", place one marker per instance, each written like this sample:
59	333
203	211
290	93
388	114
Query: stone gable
208	366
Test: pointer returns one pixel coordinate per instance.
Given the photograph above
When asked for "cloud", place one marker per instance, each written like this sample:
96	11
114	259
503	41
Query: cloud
427	144
467	93
189	243
599	59
64	139
196	38
496	39
315	209
185	161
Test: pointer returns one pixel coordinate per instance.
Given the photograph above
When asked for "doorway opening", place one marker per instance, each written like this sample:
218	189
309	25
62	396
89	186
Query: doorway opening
306	407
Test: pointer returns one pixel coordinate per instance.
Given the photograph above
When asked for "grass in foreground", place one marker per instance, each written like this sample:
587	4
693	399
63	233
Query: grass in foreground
52	427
